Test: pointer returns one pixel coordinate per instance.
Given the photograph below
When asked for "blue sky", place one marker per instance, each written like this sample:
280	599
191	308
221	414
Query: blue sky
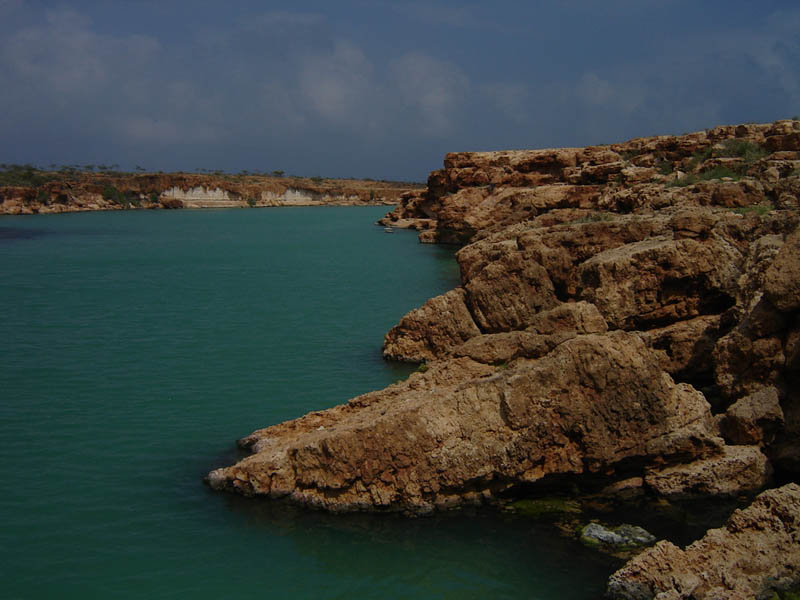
379	89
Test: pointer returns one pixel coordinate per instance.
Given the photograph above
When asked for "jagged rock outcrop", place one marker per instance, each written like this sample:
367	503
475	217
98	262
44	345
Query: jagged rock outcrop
465	431
628	324
684	347
590	278
782	279
754	419
761	349
659	281
545	331
754	555
482	191
432	330
737	469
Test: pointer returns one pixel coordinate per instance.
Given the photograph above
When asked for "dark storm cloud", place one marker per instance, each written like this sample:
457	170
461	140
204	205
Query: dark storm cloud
377	89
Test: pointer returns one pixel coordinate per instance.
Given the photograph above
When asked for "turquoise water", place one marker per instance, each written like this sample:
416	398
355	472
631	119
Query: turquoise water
138	346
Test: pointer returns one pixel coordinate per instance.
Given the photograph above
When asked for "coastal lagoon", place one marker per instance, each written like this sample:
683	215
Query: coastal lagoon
138	345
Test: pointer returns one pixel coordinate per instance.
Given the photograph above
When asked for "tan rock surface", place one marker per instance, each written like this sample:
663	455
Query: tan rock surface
782	280
546	331
524	382
591	402
737	469
659	281
757	552
505	288
684	347
753	419
760	349
432	330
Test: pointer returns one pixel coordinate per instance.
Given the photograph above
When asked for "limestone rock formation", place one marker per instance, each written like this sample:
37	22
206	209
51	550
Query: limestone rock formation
738	469
760	349
782	279
611	299
754	419
432	330
685	347
628	324
545	331
659	281
755	554
464	431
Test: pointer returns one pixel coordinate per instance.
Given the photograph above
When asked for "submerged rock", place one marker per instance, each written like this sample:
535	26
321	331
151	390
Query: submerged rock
621	538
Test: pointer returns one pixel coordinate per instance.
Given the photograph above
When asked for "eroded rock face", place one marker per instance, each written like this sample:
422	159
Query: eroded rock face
432	330
684	347
464	431
546	331
756	553
782	279
466	212
761	349
593	279
754	419
659	281
507	289
737	469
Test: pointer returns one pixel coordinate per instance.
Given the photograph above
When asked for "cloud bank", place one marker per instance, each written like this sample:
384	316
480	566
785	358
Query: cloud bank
380	91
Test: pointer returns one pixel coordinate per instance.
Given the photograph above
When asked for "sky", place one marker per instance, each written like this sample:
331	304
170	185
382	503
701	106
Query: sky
380	89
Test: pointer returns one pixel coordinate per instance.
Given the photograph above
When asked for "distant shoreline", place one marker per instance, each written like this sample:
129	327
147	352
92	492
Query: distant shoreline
28	190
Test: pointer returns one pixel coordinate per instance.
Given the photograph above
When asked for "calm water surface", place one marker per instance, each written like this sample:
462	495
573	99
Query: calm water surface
137	346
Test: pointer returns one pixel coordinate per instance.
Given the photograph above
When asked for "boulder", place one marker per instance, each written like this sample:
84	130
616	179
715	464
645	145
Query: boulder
432	330
685	347
659	281
782	280
615	539
744	362
737	469
760	350
789	141
505	287
754	419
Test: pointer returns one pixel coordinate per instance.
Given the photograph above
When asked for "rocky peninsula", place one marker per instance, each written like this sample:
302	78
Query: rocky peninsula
628	324
25	189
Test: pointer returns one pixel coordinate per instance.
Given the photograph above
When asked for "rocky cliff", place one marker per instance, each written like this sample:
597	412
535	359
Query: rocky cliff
628	318
26	190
